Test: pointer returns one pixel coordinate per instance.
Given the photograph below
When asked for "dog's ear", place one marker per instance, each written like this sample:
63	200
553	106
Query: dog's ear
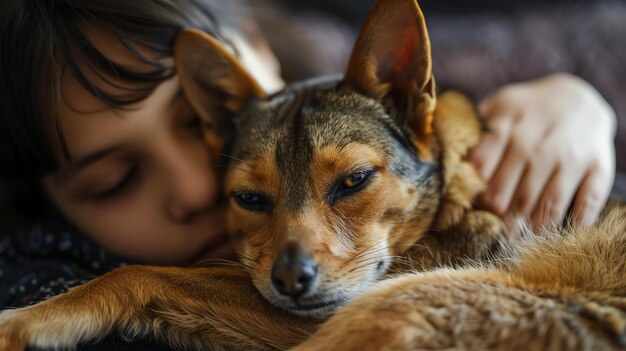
391	62
215	83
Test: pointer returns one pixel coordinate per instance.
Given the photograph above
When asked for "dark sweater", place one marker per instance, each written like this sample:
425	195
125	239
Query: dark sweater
36	264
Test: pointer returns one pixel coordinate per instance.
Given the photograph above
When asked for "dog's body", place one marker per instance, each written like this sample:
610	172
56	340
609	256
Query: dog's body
560	291
331	182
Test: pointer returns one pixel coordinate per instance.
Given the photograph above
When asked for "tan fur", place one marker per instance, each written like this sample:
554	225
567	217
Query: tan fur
560	291
462	182
185	306
458	230
563	290
347	246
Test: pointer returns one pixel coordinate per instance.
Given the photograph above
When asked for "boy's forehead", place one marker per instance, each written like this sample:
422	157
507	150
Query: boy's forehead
89	125
110	45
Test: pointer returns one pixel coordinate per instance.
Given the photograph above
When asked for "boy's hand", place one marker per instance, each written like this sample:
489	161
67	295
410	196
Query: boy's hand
549	148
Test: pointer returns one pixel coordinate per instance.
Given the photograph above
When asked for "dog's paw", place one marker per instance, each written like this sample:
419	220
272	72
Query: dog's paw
482	234
36	326
13	334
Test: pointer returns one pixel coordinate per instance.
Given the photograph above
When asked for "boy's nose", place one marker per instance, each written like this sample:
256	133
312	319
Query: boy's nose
294	271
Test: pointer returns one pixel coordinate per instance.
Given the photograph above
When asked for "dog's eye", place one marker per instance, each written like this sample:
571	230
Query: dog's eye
253	202
354	179
350	184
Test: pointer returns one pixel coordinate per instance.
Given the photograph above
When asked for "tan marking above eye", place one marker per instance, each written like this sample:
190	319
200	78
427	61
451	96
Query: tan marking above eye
259	174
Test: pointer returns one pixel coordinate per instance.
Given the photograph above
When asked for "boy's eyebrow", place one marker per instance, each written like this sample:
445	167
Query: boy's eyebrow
86	161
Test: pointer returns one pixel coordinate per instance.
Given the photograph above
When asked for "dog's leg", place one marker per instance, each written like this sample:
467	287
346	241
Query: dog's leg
471	309
424	311
195	308
478	234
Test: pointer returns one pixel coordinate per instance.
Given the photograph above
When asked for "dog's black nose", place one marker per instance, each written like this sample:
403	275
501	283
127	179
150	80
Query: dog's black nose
294	271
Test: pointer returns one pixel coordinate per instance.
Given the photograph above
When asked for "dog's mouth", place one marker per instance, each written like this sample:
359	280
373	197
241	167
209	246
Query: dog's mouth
319	305
316	308
325	296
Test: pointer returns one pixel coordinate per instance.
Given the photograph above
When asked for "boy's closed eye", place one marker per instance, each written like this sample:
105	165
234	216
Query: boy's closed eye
105	179
113	174
123	184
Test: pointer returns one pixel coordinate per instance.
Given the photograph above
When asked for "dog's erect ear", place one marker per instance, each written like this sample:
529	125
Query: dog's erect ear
213	80
391	62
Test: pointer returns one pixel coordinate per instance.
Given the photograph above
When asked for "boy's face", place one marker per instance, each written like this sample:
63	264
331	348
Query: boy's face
141	181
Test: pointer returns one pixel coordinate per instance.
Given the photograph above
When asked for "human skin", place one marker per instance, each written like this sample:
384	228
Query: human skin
141	180
549	149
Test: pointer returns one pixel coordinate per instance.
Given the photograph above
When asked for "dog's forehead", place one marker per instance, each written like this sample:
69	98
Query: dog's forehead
311	115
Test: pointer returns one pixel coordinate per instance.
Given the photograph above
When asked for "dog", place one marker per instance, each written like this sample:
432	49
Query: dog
342	192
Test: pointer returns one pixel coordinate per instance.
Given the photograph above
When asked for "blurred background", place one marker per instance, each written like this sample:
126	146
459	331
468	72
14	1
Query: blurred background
478	46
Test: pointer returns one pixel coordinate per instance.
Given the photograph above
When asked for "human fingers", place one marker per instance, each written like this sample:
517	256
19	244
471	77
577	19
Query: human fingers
541	152
556	196
592	195
501	187
487	155
533	181
498	121
526	148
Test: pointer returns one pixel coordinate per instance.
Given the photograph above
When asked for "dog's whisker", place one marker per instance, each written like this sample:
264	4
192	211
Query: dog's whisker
394	259
237	159
249	258
263	251
244	170
235	166
377	259
371	252
369	261
402	260
361	267
365	250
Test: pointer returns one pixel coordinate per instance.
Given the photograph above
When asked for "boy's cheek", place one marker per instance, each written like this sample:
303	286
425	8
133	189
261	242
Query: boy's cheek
138	228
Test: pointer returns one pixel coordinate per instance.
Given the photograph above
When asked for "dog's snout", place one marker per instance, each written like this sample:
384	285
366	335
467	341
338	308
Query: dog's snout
294	271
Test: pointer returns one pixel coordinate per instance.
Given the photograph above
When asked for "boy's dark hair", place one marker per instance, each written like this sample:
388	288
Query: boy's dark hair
40	42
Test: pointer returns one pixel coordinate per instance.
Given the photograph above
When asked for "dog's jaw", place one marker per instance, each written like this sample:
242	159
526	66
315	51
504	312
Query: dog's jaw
329	293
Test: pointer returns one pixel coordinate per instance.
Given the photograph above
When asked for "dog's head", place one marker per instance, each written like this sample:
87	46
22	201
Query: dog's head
328	180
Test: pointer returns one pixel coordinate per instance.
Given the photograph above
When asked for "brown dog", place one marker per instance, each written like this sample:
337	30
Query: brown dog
334	184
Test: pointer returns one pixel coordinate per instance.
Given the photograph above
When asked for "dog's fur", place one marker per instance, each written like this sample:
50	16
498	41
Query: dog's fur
348	175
